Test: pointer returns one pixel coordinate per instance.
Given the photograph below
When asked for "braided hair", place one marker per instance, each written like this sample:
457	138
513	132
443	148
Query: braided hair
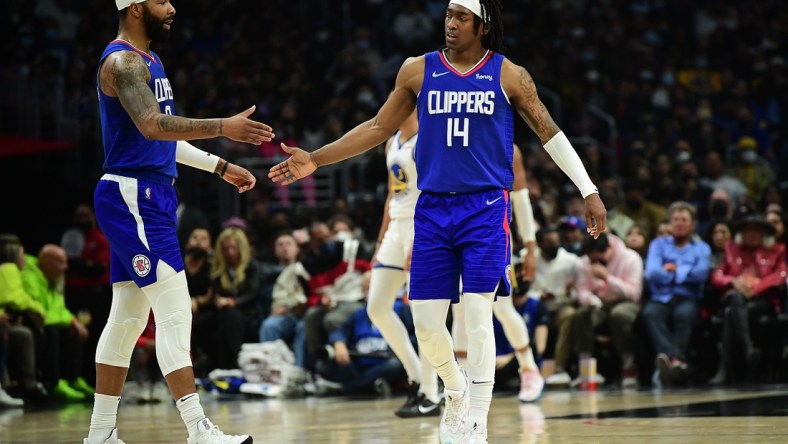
494	38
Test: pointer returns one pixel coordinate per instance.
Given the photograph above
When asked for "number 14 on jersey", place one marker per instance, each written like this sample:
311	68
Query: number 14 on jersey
456	127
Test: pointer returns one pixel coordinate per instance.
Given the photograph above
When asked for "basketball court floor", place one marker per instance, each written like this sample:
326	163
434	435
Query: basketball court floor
743	415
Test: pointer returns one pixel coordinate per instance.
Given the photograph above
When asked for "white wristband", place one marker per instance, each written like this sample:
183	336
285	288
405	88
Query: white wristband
567	159
188	154
524	215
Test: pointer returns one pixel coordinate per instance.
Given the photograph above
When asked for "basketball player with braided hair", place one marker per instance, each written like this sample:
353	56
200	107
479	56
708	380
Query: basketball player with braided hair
465	94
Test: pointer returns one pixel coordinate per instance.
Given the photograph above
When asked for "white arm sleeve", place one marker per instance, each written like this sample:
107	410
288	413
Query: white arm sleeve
188	154
524	215
567	159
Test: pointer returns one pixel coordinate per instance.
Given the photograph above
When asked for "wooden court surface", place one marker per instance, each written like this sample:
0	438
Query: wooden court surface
607	417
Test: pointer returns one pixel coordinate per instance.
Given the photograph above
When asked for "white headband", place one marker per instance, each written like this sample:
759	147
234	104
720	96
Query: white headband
474	6
123	4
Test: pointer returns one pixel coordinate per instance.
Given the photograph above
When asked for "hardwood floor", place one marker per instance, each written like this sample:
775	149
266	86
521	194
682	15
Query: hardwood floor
606	417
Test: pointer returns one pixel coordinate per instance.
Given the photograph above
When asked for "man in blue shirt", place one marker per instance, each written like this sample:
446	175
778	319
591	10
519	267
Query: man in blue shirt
677	268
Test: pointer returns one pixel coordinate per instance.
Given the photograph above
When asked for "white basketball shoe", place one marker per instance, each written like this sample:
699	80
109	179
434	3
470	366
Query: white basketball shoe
208	433
452	426
113	438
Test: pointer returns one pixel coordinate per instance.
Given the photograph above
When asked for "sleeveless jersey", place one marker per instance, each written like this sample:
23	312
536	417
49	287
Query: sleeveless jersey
465	127
126	151
402	169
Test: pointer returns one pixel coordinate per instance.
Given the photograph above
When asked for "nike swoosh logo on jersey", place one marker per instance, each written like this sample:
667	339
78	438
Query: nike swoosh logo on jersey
148	62
482	382
424	410
490	202
436	74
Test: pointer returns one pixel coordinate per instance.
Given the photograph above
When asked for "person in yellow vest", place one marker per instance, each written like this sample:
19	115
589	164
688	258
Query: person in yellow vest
43	278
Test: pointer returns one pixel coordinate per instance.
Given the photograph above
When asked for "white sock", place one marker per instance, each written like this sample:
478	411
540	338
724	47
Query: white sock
429	380
191	411
104	417
452	377
480	400
526	359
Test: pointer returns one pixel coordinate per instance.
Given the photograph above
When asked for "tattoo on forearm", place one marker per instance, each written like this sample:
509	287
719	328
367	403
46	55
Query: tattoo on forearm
128	76
534	112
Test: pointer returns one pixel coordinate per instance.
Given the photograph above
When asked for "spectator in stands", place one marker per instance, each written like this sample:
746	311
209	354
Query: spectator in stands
609	283
751	283
197	259
646	214
715	178
335	271
6	400
717	237
572	230
618	222
754	171
289	300
234	297
776	219
636	240
43	278
360	360
555	271
19	306
88	292
677	269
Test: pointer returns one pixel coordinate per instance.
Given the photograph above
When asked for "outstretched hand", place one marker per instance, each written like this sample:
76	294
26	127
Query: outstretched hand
299	165
243	129
240	177
596	215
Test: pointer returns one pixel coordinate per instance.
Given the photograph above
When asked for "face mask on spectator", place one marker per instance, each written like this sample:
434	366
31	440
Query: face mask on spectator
342	236
196	252
718	208
748	156
549	252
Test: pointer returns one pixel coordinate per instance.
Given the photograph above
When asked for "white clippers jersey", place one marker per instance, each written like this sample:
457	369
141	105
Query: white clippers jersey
402	169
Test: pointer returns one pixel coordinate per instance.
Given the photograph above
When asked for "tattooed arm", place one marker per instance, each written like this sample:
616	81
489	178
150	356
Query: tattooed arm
124	75
521	89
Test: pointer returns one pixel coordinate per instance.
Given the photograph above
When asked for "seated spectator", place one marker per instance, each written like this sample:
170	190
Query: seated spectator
776	219
572	230
645	213
360	359
335	285
750	282
717	237
234	297
18	306
197	258
289	300
636	240
555	270
43	278
677	268
609	283
6	400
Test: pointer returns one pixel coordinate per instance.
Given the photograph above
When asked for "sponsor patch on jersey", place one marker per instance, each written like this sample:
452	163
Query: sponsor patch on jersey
141	265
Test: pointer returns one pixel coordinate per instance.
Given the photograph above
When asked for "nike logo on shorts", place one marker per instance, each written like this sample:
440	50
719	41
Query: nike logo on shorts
436	74
490	202
482	382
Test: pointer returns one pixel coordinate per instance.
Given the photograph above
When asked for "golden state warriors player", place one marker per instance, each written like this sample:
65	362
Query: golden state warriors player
135	205
390	271
465	94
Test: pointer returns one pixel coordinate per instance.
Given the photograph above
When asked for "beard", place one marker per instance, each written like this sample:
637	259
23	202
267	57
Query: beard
154	27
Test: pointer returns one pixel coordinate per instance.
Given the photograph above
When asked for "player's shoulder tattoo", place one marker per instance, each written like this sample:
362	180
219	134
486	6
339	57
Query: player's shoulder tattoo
125	68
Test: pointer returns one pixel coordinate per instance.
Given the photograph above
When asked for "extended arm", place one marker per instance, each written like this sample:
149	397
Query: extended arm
373	132
124	75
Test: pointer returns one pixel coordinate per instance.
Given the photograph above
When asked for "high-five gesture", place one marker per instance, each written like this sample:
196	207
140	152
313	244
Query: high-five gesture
299	165
242	129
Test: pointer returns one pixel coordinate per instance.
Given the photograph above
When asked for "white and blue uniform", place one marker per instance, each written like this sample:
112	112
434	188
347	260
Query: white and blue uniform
464	157
398	238
135	200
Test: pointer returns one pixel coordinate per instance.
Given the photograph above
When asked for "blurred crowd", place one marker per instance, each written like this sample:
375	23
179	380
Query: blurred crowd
685	288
